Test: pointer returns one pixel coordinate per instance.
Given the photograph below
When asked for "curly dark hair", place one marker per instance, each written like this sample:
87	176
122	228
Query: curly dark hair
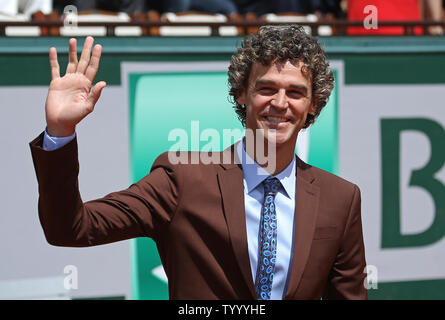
281	43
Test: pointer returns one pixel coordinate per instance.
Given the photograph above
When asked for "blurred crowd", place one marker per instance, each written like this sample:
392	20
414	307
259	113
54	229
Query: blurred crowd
396	10
227	7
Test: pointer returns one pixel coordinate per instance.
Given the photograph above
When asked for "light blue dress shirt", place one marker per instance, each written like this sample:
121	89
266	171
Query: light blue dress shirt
254	175
52	143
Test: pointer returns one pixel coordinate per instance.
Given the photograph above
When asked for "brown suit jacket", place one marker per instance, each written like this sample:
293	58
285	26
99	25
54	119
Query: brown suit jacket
195	214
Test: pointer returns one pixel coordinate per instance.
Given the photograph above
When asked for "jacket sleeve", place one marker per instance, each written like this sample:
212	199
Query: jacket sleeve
141	210
347	276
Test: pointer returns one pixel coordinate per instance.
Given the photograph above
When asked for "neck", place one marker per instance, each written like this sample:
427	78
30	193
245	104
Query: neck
274	159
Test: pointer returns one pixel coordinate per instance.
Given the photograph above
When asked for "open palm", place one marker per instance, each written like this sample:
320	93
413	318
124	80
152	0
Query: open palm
72	97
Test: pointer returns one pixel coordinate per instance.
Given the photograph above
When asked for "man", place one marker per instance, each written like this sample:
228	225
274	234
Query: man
229	229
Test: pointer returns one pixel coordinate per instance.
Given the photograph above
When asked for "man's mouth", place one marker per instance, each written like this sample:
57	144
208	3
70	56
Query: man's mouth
275	120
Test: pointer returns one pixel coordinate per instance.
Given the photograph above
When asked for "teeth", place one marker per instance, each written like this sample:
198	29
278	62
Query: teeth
275	119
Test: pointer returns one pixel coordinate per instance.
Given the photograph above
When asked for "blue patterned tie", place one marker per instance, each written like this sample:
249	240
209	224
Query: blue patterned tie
267	245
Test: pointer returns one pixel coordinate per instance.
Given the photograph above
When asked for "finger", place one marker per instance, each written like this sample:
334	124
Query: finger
96	91
94	63
54	64
72	56
85	56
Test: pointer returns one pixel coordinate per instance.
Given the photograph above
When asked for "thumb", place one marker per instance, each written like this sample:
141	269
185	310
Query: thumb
96	91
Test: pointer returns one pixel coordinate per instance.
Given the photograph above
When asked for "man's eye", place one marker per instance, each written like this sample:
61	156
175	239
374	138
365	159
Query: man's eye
296	94
266	90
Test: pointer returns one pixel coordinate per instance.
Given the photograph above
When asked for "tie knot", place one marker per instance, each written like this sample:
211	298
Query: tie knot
271	185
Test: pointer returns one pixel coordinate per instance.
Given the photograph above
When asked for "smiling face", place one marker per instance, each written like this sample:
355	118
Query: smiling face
278	96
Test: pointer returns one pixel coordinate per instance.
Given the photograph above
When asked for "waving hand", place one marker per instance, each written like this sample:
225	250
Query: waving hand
72	97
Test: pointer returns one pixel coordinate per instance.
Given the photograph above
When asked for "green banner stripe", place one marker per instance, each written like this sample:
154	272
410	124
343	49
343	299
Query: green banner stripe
409	290
226	45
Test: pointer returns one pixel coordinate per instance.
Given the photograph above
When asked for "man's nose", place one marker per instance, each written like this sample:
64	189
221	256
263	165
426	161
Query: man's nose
279	100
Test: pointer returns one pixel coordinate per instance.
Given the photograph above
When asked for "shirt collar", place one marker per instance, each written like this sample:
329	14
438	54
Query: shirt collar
254	174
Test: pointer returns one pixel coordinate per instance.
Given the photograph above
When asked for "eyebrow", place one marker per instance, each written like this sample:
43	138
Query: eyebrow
270	82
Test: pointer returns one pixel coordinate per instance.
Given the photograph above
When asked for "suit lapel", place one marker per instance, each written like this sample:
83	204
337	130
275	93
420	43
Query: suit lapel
232	192
306	209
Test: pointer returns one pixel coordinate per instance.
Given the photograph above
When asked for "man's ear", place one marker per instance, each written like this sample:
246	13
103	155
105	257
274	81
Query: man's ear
241	100
312	108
